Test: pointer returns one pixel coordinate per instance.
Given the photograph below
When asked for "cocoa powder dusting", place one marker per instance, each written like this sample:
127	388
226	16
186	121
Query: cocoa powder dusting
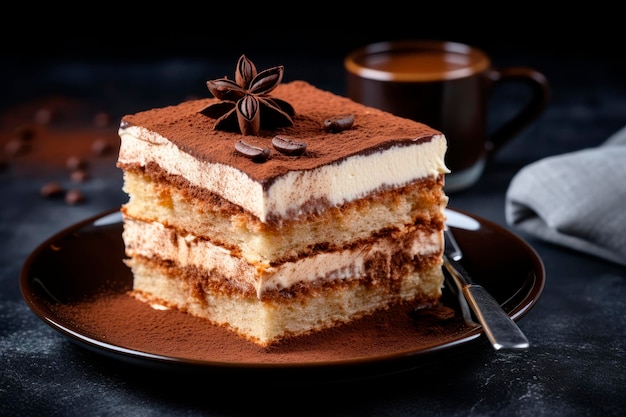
124	321
58	132
373	131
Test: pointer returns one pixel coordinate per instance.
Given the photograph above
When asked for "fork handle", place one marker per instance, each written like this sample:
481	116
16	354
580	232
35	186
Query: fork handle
501	330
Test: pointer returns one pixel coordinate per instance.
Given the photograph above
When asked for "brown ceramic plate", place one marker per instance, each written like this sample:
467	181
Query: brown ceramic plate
76	283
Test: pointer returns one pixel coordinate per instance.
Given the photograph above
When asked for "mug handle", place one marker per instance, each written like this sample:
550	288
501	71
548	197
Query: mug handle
540	96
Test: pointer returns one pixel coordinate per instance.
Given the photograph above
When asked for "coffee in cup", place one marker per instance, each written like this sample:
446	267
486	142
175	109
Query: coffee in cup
446	85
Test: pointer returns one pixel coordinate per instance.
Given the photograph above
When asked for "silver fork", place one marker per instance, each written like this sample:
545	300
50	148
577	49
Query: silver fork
501	330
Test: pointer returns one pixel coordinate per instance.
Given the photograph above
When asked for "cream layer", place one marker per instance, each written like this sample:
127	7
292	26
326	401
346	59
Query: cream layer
183	208
290	195
153	240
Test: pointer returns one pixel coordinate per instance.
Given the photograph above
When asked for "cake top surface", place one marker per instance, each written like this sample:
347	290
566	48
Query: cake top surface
372	131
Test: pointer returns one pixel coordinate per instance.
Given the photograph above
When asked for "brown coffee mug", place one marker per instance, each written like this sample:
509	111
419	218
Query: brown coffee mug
446	85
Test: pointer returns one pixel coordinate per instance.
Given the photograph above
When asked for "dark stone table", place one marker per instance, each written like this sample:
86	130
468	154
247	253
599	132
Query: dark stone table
576	364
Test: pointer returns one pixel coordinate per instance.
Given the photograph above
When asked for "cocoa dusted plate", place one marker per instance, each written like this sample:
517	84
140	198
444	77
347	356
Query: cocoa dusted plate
77	283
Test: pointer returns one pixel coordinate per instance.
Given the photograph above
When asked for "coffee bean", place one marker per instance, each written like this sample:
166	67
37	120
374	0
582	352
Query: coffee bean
16	147
74	196
79	175
339	123
101	147
102	119
52	189
287	146
24	132
74	162
253	152
45	116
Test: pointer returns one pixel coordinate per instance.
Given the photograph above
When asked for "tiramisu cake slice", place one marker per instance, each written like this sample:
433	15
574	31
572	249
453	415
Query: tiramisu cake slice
276	210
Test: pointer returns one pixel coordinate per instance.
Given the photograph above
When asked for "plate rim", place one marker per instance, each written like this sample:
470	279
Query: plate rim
135	356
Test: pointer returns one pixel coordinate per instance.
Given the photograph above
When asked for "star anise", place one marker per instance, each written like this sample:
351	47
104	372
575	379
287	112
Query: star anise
246	105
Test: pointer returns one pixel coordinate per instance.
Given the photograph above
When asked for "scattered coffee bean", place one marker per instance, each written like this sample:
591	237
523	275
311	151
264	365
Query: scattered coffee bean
74	162
51	190
24	132
79	175
16	147
339	123
74	196
102	119
287	146
45	116
101	147
252	152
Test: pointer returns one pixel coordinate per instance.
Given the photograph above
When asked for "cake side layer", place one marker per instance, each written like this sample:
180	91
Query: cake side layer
369	262
191	210
335	168
264	322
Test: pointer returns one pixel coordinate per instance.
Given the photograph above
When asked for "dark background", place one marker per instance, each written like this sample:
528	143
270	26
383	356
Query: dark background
313	37
160	55
110	30
40	55
119	59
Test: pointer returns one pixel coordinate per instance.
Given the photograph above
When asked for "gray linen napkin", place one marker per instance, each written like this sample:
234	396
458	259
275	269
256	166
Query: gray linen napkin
576	199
